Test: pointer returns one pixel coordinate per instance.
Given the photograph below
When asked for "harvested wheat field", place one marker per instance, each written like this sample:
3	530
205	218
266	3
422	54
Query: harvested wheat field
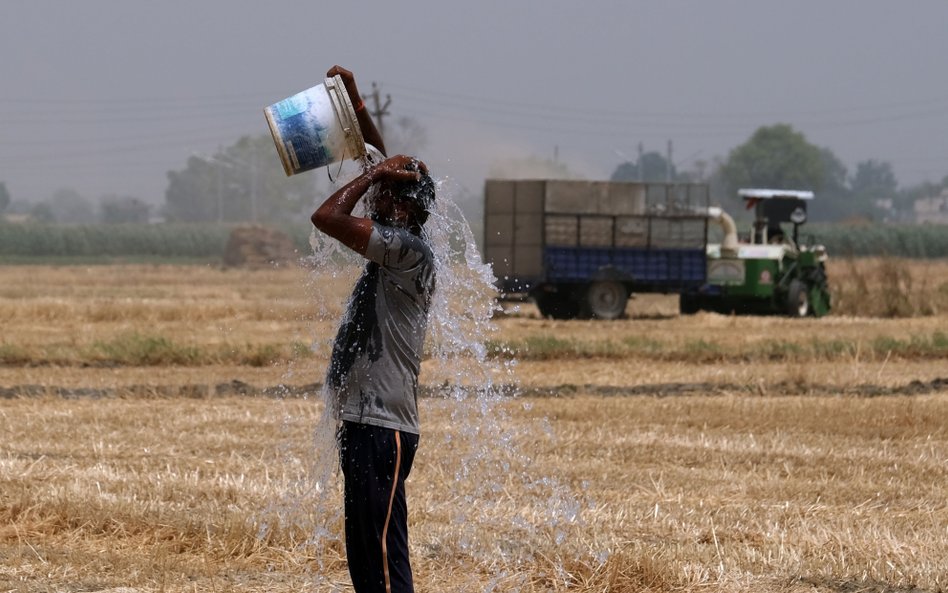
158	435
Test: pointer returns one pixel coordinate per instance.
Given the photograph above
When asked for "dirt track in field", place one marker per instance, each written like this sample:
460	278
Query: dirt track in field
238	387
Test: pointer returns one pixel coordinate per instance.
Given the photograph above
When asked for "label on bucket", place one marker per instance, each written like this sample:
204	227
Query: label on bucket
306	130
294	105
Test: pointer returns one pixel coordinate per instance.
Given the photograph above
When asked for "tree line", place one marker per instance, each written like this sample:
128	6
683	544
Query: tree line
780	157
69	206
244	182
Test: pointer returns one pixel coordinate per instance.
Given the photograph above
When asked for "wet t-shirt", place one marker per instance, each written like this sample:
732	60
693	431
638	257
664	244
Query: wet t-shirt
377	353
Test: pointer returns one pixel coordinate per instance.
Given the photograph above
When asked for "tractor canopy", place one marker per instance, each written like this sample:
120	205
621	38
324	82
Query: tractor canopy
773	207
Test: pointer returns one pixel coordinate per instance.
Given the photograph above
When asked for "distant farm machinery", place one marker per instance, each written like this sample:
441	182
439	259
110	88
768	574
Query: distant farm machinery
580	249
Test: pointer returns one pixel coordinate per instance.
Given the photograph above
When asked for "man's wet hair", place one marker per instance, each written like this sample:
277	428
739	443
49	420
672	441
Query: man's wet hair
420	193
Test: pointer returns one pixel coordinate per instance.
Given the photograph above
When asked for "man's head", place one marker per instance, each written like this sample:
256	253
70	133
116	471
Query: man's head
405	203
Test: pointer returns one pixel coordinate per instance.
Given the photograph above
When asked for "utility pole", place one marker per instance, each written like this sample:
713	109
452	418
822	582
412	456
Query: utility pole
380	110
220	193
638	163
253	185
668	164
220	188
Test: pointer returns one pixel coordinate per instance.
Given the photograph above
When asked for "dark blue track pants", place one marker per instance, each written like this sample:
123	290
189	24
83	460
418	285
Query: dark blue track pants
375	462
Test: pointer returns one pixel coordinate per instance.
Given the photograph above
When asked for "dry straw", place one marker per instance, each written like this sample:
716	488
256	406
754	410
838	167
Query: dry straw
689	494
757	475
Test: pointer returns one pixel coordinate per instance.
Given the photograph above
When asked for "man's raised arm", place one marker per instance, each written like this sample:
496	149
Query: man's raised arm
369	132
334	216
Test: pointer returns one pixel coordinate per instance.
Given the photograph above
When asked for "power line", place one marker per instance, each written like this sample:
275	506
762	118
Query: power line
549	120
136	101
480	101
691	121
260	98
151	108
99	119
86	140
613	131
123	149
492	111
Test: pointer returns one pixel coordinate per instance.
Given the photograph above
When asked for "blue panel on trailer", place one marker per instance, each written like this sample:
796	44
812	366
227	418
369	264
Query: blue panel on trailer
653	267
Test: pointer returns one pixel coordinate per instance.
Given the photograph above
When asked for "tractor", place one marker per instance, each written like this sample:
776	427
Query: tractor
768	272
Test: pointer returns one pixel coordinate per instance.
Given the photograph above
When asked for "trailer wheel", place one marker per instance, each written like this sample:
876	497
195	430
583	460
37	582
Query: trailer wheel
688	304
557	305
798	299
606	299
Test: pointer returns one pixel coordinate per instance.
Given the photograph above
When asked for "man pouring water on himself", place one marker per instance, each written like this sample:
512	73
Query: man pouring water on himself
376	357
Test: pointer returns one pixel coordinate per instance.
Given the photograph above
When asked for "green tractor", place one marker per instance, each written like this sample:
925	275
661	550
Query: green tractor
770	273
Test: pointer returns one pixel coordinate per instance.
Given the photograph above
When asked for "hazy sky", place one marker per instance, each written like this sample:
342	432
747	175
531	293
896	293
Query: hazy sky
107	96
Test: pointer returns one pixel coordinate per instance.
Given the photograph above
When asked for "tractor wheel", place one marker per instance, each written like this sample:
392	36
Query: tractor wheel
820	303
798	299
606	299
688	304
557	305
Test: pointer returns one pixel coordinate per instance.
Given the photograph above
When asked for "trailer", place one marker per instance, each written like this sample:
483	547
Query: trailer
582	248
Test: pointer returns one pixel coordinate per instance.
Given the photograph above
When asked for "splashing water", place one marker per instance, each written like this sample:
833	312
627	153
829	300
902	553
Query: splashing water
473	443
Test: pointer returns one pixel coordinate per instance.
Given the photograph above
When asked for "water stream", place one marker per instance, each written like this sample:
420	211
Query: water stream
502	511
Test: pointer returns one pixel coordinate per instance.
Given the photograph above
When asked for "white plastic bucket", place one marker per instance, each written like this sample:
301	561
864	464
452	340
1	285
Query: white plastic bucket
315	127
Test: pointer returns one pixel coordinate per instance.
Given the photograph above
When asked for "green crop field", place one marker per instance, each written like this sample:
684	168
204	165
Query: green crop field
172	243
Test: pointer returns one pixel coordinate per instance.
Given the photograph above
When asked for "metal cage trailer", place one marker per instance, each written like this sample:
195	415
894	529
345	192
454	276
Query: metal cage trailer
582	248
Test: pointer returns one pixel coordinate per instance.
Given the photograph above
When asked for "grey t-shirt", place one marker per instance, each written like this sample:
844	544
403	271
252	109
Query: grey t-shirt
376	356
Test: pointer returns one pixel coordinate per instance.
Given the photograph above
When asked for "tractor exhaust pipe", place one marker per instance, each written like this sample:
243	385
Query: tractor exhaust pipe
729	244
